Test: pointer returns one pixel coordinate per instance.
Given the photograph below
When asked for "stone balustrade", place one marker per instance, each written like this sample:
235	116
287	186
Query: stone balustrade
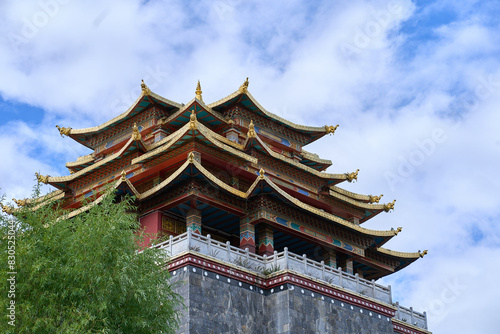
265	265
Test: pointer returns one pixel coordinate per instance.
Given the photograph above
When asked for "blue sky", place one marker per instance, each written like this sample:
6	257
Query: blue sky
415	87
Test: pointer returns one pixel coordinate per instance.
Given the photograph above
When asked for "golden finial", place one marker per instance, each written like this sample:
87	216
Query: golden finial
124	175
63	131
330	129
389	206
71	171
399	229
191	157
251	130
193	120
145	89
352	176
136	134
261	174
42	178
244	87
422	254
7	209
20	202
375	199
198	92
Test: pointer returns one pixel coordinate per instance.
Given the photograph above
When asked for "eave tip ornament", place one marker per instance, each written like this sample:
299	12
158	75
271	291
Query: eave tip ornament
63	131
7	209
244	87
422	254
251	130
399	229
352	176
42	178
389	206
145	89
375	199
20	202
198	92
330	129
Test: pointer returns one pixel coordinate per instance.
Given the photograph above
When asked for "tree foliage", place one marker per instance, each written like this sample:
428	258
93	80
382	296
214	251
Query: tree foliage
86	274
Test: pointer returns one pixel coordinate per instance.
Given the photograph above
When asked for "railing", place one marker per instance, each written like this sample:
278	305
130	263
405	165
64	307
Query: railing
410	316
285	260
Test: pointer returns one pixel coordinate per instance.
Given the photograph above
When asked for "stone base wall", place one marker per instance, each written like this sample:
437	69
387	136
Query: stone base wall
218	304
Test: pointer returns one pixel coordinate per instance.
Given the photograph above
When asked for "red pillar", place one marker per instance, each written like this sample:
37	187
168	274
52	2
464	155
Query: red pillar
151	224
266	240
247	235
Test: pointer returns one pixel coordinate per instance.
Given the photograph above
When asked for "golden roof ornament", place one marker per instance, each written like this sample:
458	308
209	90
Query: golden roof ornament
20	202
136	134
7	209
352	176
193	120
145	89
198	92
191	157
251	130
330	129
124	175
63	131
42	178
374	199
261	174
399	229
244	87
422	254
389	206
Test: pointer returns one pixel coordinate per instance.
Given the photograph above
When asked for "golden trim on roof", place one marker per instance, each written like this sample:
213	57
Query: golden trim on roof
267	113
244	87
251	130
350	194
330	129
80	161
405	255
389	206
198	92
354	202
63	131
352	176
314	157
136	134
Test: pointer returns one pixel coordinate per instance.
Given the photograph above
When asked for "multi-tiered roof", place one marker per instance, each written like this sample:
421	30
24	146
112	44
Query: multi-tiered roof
231	169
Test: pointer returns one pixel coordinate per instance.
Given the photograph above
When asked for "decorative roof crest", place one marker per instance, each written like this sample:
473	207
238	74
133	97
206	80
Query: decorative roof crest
7	209
63	131
198	92
145	89
42	178
193	120
421	254
251	130
136	134
20	202
375	199
389	206
330	129
352	176
244	87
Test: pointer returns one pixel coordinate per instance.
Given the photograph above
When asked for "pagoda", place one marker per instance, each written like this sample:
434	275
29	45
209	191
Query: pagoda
237	175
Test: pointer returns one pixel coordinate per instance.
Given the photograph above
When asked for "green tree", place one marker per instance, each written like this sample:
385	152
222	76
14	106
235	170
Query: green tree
86	274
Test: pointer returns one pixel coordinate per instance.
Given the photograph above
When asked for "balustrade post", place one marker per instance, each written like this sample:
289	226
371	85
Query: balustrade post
304	256
390	294
373	288
209	239
398	313
228	245
189	239
247	254
340	276
425	320
286	257
171	245
412	322
323	270
275	259
357	282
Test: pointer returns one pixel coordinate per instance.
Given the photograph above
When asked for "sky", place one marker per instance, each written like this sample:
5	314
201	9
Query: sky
414	86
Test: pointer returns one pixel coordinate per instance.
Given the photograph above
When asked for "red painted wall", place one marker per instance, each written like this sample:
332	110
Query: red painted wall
151	224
